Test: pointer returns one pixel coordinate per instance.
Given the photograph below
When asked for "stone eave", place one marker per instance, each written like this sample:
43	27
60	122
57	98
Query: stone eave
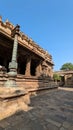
5	28
64	72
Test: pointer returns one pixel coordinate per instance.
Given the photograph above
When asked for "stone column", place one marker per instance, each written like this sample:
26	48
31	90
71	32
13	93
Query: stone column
28	65
38	70
13	64
44	68
49	71
65	79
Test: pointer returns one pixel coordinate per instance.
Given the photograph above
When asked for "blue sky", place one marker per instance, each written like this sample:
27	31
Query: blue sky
48	22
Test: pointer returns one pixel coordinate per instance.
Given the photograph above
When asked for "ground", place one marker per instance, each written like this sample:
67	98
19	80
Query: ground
51	110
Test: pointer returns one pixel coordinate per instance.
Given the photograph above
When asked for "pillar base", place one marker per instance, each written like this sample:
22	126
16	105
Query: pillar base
10	83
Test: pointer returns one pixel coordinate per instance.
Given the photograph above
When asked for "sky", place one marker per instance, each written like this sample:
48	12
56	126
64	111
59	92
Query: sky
48	22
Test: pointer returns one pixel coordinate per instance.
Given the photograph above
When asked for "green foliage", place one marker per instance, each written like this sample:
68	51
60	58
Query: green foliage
56	77
67	66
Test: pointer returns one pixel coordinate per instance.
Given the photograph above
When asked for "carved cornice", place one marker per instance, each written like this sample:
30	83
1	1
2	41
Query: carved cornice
7	27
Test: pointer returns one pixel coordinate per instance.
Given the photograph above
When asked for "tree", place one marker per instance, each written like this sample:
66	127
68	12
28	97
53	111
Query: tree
67	66
56	77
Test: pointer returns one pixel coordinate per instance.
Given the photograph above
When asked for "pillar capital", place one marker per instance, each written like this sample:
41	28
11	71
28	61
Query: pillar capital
15	31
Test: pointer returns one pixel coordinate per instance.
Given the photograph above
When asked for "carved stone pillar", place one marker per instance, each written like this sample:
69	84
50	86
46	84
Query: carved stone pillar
38	70
44	68
51	73
28	65
65	79
11	82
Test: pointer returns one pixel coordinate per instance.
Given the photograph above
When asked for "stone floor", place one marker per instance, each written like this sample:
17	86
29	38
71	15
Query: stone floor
51	110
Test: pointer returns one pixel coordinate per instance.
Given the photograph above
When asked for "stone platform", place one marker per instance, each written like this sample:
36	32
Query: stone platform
12	100
31	83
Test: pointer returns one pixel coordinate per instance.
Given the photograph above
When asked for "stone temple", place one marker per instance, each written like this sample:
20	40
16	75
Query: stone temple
25	69
35	65
27	101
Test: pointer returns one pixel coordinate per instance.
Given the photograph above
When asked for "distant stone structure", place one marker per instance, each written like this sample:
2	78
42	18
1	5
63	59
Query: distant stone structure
66	78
